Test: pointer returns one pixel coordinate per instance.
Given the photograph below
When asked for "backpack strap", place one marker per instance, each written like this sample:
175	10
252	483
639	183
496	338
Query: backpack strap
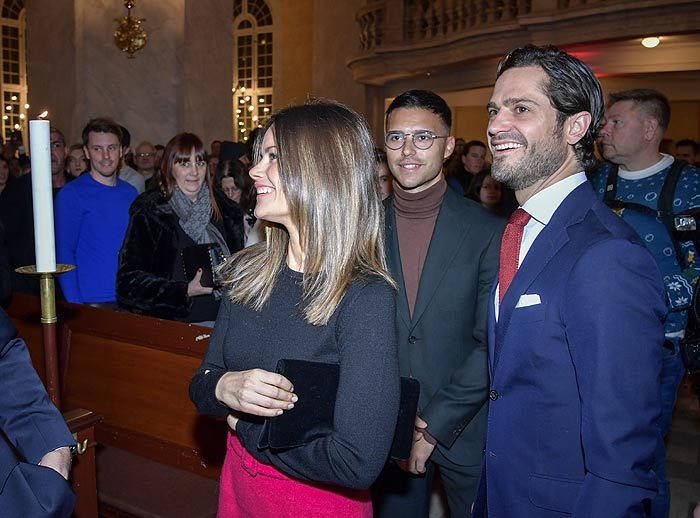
664	207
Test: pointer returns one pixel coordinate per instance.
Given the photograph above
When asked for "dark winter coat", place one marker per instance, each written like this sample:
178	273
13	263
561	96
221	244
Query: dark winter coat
147	258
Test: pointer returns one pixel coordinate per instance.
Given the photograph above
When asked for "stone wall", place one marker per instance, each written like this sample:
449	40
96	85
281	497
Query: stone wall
76	72
181	80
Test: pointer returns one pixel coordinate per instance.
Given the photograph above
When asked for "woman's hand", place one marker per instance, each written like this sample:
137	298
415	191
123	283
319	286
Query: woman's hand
232	421
195	288
256	392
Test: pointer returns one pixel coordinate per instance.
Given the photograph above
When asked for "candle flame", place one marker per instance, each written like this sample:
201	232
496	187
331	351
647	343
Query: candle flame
43	114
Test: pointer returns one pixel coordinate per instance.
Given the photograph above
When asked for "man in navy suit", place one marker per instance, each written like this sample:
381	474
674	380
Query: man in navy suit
576	315
34	485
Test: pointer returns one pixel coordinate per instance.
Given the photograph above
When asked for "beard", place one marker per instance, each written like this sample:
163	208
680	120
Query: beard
541	160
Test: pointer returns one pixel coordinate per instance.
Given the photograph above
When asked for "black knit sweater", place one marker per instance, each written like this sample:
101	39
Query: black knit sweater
360	336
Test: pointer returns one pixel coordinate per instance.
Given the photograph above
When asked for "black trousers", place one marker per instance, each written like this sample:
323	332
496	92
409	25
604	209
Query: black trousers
397	494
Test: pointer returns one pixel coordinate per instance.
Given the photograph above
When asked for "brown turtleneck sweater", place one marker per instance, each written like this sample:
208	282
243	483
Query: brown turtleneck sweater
416	214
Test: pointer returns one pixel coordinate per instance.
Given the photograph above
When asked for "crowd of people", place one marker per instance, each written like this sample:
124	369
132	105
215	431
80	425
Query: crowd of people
544	328
126	219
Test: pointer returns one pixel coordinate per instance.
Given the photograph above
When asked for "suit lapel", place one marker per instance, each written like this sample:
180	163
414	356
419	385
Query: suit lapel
448	235
393	261
492	325
550	240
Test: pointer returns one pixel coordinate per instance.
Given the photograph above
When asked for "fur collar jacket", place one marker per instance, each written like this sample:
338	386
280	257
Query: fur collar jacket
147	257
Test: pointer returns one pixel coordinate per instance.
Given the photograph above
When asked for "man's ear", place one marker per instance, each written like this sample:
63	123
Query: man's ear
576	127
651	127
450	147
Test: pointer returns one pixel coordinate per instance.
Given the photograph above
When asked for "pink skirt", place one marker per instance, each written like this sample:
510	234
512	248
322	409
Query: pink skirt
251	489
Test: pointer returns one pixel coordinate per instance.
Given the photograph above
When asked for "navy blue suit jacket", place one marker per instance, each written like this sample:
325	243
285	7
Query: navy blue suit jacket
575	394
34	427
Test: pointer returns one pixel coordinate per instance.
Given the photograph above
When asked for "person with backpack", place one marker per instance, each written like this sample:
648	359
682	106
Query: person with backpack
652	192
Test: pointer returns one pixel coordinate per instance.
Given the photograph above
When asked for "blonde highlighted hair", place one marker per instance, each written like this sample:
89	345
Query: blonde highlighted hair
326	167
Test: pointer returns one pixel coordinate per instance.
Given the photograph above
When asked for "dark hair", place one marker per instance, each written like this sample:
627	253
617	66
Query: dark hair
689	142
250	143
177	151
423	100
471	144
101	125
126	137
654	103
239	172
474	190
54	129
572	88
380	156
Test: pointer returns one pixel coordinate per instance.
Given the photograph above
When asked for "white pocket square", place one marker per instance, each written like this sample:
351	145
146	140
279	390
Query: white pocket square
528	300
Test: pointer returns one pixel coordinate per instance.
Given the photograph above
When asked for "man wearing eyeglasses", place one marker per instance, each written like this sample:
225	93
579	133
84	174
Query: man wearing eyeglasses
442	249
145	161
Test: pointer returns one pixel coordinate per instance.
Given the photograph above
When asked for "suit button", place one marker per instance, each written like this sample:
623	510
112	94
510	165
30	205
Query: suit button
411	339
494	395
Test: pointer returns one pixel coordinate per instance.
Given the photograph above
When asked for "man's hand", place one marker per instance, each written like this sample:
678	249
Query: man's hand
58	460
423	446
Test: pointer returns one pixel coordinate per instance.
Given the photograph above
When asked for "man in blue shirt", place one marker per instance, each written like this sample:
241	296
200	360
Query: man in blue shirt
92	214
635	123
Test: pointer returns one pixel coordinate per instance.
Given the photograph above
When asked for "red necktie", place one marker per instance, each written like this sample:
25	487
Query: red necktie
510	250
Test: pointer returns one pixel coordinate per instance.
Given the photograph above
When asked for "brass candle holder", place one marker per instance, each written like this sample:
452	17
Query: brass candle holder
49	317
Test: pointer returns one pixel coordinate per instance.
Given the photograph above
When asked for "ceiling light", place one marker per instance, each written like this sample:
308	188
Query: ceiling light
651	42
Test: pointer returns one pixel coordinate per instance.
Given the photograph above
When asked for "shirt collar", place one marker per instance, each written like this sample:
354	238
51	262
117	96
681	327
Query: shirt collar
544	204
664	162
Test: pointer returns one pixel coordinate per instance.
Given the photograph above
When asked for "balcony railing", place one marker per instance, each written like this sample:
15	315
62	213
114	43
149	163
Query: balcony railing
371	22
420	21
427	19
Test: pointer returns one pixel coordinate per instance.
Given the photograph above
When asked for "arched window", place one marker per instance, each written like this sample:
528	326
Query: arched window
252	66
13	68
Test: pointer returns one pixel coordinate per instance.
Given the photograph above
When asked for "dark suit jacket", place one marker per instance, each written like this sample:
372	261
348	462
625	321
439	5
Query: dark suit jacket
575	378
444	344
33	427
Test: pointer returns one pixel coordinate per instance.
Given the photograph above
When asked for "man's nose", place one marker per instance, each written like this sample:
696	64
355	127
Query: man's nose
498	123
409	147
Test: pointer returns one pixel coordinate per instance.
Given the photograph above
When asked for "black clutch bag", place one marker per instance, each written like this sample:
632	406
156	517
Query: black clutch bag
316	384
200	256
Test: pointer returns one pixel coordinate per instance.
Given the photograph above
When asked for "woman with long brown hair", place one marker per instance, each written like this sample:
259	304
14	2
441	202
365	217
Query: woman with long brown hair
183	217
316	289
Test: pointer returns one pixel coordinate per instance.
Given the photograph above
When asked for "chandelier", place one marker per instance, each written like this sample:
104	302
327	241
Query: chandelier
130	36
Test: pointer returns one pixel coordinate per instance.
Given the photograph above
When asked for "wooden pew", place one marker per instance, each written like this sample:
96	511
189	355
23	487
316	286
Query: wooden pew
134	371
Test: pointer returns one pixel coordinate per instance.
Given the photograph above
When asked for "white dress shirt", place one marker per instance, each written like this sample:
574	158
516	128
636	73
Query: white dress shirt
541	207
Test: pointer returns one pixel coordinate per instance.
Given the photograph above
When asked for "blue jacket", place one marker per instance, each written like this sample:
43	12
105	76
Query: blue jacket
34	427
575	394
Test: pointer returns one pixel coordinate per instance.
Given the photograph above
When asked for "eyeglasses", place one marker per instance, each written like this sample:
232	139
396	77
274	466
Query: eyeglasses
144	155
421	139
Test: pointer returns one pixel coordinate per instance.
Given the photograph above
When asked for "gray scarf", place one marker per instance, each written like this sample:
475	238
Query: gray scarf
195	218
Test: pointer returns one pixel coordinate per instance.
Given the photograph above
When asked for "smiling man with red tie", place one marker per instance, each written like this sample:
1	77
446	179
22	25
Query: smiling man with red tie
576	320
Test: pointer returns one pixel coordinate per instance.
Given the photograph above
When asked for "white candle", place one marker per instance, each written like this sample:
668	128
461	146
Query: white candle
42	195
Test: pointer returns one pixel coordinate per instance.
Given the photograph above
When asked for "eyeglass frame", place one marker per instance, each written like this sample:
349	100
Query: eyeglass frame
145	155
432	136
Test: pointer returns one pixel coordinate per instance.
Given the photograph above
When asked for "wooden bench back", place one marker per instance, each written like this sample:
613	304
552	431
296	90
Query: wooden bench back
134	371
